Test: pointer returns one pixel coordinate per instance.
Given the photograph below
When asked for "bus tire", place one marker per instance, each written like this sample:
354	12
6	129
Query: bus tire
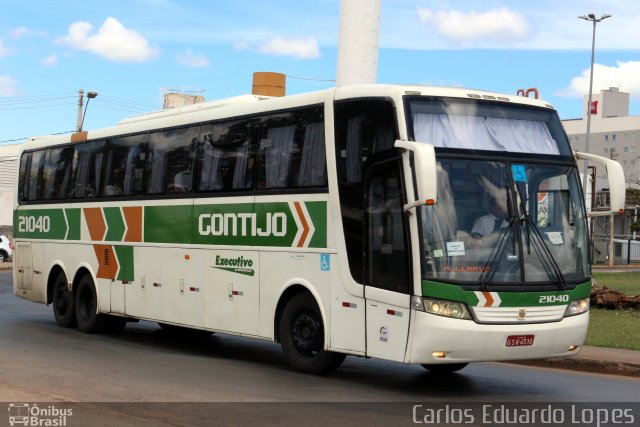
302	337
63	301
445	368
89	321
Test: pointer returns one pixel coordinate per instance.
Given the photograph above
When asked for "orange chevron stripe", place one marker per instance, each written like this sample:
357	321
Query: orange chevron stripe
489	299
95	222
133	219
107	262
305	225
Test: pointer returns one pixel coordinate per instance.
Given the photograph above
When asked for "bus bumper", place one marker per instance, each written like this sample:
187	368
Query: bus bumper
467	341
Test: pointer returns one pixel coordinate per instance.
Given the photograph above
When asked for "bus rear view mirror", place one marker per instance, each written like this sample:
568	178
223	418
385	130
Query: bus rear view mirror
617	186
424	169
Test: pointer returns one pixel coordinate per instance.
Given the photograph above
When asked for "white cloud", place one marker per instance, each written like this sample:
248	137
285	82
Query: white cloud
8	86
190	59
18	33
298	48
50	61
624	75
502	26
112	41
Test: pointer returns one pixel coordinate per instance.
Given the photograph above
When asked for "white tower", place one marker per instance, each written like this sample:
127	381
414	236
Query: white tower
358	44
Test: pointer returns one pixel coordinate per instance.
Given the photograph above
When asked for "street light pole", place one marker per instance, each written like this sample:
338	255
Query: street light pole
81	114
590	17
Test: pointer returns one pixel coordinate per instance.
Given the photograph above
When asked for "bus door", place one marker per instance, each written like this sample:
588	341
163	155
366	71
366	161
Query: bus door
387	259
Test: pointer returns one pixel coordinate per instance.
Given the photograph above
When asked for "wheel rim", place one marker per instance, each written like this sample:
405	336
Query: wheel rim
306	333
61	300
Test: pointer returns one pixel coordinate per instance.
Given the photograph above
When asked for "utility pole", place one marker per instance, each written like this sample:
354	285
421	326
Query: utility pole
80	101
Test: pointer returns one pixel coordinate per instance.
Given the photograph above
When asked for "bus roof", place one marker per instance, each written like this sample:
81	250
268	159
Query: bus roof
245	105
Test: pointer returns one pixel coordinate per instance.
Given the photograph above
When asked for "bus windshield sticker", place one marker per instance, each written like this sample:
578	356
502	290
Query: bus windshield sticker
325	262
455	248
438	253
555	237
519	173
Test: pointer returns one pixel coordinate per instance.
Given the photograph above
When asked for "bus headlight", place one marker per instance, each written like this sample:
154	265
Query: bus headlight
454	309
577	307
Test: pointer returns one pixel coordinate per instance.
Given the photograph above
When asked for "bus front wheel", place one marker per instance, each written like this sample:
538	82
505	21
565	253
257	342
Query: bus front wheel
63	302
302	337
445	368
89	321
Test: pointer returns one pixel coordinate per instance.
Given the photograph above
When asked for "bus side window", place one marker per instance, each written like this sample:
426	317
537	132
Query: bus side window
313	164
170	163
57	173
387	250
86	169
225	157
25	162
278	145
124	166
35	175
362	128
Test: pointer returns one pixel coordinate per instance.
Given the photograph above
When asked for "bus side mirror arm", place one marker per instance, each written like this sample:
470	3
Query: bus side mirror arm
617	186
424	171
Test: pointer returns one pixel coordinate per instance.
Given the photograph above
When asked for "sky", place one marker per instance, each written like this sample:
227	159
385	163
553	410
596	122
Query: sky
130	51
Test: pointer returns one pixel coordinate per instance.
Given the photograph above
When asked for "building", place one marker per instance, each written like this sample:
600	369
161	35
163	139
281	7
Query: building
614	134
8	175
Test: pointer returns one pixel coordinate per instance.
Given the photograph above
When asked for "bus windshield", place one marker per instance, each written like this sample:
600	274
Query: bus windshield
505	223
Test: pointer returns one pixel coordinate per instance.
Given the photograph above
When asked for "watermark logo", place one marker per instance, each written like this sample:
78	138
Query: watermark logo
26	414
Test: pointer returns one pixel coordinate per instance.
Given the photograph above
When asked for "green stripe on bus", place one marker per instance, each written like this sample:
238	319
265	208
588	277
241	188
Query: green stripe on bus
125	260
40	224
168	224
73	219
318	213
517	298
115	224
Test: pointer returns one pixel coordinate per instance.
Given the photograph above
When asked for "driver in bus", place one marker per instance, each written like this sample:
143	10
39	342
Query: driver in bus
492	222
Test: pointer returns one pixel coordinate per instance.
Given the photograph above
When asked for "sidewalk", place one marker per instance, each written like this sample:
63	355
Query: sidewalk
598	360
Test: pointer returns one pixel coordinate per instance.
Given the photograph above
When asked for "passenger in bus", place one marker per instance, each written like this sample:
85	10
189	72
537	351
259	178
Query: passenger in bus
113	189
493	221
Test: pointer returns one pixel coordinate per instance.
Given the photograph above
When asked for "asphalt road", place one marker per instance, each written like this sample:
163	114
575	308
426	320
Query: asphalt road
146	376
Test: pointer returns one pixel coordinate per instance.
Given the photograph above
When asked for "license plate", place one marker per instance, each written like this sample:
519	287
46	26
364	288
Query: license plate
519	340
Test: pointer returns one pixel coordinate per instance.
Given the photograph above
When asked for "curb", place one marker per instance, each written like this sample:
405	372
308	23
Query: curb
586	365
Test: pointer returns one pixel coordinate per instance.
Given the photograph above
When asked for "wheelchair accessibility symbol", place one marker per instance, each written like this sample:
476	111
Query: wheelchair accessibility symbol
325	262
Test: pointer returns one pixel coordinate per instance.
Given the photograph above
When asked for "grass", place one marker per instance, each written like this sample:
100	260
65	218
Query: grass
628	283
614	328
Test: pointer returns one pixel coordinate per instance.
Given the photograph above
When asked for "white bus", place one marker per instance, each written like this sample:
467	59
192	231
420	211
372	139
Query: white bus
351	221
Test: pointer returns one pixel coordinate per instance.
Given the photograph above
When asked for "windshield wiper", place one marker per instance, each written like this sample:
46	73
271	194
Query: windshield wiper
550	264
487	271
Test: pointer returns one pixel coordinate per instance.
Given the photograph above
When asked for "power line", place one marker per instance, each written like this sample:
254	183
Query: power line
27	137
309	78
35	106
5	102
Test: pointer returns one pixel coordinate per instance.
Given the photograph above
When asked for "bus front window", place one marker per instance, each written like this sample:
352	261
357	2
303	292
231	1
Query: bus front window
504	223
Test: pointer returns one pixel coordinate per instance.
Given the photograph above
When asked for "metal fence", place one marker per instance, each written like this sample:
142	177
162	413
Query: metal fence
625	250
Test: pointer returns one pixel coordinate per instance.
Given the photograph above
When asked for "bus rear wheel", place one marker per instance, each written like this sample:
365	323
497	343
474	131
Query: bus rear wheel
445	368
63	302
89	321
302	337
